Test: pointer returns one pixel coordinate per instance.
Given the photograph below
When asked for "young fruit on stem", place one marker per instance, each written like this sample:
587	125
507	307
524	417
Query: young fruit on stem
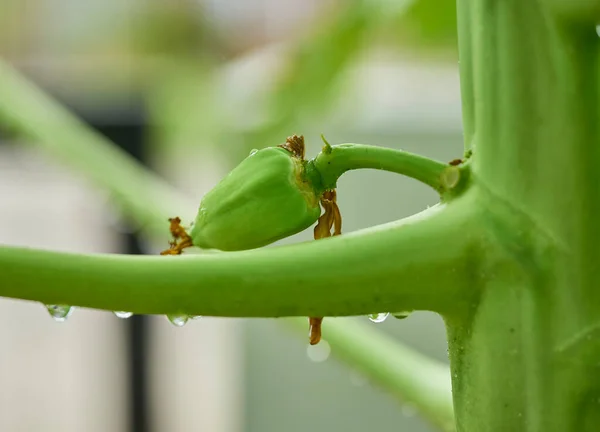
267	197
264	199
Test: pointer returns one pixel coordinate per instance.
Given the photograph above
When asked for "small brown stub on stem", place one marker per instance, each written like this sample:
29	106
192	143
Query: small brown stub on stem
314	331
295	144
331	218
181	239
455	162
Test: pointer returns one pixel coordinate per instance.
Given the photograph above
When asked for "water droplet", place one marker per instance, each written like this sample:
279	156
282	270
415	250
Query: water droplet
122	314
401	315
253	152
59	313
178	320
195	317
318	353
379	317
598	29
409	410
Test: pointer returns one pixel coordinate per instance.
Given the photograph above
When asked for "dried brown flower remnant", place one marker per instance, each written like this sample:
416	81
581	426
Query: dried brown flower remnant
331	218
314	331
295	144
181	239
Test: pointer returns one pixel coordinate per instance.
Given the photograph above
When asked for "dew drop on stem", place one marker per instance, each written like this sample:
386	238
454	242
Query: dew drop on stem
178	320
123	314
379	317
59	313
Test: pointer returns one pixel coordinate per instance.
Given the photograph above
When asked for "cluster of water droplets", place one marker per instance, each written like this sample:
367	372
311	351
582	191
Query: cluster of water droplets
382	316
60	313
320	352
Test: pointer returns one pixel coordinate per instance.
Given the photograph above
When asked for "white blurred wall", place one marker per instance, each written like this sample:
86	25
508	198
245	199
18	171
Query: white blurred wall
56	376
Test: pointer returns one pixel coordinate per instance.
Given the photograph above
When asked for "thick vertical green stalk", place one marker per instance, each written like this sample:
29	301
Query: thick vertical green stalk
527	356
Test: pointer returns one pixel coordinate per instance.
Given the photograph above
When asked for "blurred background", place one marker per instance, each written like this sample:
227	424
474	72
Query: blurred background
189	87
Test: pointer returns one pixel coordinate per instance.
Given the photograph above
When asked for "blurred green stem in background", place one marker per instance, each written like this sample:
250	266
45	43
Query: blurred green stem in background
44	123
410	376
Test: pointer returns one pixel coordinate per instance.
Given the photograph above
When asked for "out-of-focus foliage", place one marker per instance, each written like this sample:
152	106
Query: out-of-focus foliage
177	58
306	78
307	83
11	15
428	24
175	30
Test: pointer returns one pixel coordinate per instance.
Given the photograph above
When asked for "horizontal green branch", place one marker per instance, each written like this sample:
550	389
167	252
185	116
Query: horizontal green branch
334	161
413	377
415	264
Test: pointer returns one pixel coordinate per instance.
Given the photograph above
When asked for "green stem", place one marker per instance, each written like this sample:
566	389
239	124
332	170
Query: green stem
584	12
334	161
531	79
424	382
355	274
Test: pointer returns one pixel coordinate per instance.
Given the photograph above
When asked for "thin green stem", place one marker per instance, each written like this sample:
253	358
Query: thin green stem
421	263
334	161
413	377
